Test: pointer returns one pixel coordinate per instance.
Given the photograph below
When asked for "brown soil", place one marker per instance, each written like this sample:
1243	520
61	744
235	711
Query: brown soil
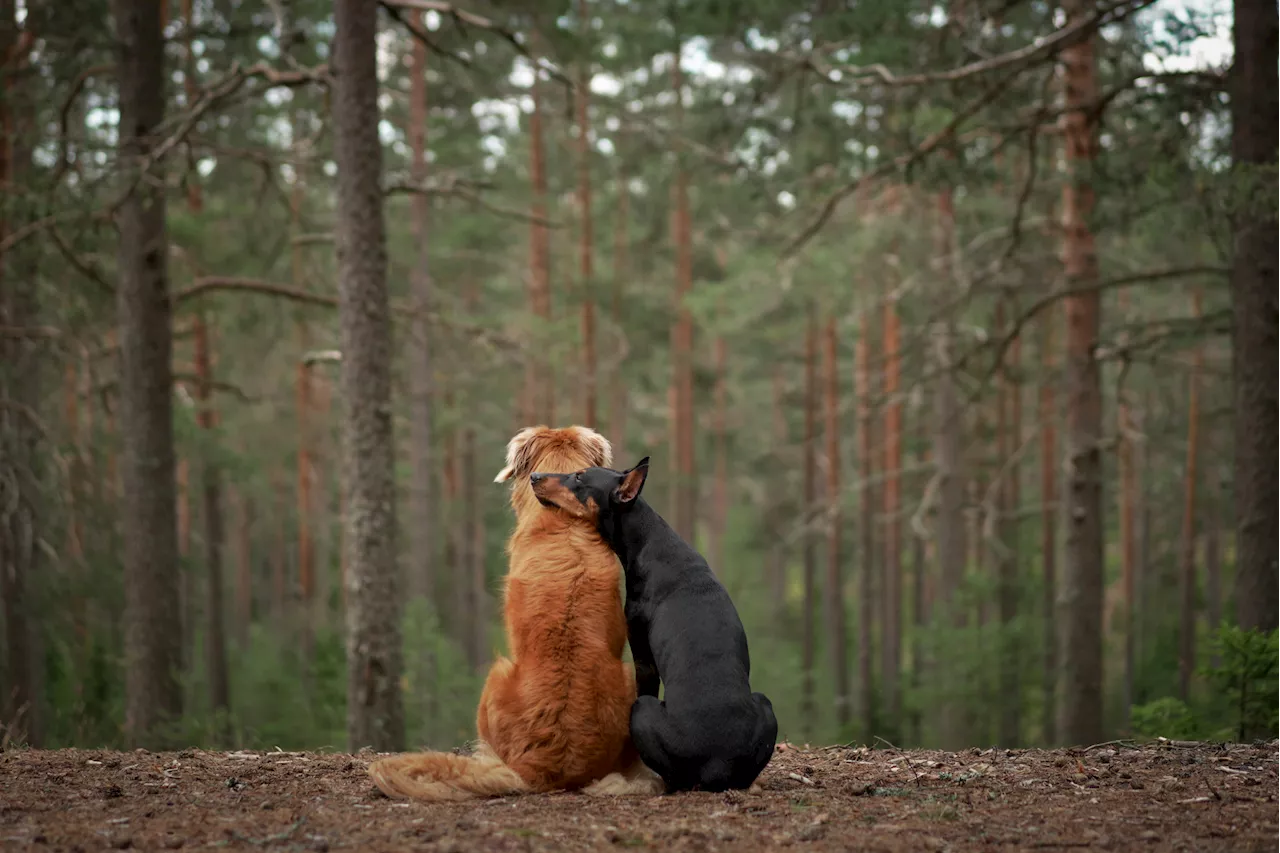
1110	797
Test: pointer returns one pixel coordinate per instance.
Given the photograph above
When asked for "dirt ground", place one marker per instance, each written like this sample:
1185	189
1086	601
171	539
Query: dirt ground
1168	796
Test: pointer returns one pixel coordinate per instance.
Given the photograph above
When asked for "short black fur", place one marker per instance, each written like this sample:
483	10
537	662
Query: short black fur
710	731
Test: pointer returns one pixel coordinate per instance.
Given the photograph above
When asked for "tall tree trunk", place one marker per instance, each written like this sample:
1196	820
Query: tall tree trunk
1049	524
303	409
1128	545
866	501
621	242
244	569
539	383
810	495
892	644
1187	577
211	491
684	513
1009	439
776	568
375	715
455	546
473	567
153	637
279	569
21	444
950	535
1213	568
835	586
1254	141
919	601
720	437
582	95
422	489
1080	708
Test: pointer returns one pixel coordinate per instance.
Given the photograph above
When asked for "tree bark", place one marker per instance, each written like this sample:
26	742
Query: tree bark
621	242
950	535
582	95
866	577
1009	437
1128	544
153	636
892	643
1254	141
776	568
214	535
835	586
244	570
1213	569
422	489
1049	525
21	443
1187	576
1080	697
684	512
375	715
720	436
539	383
810	486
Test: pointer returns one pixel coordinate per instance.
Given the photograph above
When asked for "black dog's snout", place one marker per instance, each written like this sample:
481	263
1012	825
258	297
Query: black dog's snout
533	478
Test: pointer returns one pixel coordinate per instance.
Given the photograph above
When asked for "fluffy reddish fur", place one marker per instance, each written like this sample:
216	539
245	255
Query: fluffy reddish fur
555	714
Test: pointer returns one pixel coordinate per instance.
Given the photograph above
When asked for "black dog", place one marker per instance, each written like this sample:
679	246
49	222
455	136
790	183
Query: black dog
710	732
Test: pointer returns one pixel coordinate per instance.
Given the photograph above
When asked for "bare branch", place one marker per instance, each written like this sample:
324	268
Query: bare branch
1026	55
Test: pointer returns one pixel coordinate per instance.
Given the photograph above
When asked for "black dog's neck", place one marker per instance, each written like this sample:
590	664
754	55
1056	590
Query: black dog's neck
632	529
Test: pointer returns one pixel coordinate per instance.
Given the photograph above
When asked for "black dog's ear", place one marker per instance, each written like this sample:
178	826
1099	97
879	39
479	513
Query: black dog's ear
632	482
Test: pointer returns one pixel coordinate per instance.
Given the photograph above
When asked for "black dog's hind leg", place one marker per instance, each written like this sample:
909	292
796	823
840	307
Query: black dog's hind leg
646	669
650	733
766	739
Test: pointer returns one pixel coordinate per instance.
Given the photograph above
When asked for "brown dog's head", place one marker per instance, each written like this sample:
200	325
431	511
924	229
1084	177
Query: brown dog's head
556	451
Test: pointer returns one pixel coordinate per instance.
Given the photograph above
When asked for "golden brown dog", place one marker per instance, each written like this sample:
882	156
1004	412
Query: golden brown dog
554	715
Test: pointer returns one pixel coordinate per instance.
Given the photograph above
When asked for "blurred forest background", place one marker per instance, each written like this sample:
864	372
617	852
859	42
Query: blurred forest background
951	328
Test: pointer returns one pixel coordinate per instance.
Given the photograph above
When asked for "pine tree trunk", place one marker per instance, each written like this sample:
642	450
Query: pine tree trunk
1213	569
582	95
244	570
720	436
1048	525
618	392
153	637
776	569
1080	708
950	523
539	384
21	443
279	568
1128	553
1010	440
375	715
211	495
1187	576
1254	142
866	577
892	644
684	513
807	719
836	646
422	488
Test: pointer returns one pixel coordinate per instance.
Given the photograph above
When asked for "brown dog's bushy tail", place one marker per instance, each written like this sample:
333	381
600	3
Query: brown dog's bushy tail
437	776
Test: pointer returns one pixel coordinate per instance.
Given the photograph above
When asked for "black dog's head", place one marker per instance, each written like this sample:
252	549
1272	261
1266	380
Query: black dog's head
595	494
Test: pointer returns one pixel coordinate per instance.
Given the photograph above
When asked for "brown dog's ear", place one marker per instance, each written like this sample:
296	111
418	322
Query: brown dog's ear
517	454
597	445
633	482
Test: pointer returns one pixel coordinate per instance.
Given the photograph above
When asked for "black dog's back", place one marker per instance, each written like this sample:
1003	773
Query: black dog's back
710	731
